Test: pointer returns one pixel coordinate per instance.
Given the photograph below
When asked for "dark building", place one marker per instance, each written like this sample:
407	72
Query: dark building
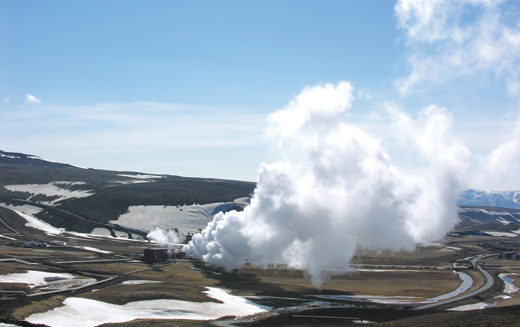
154	255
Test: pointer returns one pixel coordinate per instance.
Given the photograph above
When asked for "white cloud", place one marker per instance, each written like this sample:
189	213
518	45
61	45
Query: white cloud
500	169
334	188
29	98
179	139
448	39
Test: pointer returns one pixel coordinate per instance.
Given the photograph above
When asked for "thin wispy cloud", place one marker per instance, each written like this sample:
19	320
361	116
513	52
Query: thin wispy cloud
453	39
129	134
147	122
29	98
448	39
501	168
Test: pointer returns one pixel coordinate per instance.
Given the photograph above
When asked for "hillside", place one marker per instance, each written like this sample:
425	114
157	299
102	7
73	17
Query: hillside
80	199
490	199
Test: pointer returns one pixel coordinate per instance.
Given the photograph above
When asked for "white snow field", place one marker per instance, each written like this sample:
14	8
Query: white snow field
50	189
32	278
80	312
34	222
187	218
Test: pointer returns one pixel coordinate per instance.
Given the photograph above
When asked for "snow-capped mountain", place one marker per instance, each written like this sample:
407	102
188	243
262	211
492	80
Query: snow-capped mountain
490	199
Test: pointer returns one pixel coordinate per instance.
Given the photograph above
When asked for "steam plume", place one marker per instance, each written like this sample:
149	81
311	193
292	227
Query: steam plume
169	237
334	188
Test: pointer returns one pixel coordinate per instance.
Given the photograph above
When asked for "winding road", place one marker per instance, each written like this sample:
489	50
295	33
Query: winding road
489	283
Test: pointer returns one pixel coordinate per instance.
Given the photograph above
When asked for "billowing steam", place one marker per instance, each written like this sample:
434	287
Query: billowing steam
335	188
169	237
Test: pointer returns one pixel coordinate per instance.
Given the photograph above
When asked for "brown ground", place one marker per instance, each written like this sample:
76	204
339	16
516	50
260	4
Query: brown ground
180	281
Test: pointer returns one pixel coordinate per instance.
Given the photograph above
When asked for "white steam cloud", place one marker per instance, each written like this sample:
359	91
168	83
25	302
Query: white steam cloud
334	189
169	237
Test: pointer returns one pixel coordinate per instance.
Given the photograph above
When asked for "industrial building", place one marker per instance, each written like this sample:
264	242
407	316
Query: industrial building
151	255
509	255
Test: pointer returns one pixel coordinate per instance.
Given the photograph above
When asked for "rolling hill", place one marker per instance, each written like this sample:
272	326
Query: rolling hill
86	200
81	200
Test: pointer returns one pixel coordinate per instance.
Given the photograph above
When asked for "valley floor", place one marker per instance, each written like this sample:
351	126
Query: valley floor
382	287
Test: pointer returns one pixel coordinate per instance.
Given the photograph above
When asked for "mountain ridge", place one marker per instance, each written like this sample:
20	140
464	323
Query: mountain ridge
102	196
83	199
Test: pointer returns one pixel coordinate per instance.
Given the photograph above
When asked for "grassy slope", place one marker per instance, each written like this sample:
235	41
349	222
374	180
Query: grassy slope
113	194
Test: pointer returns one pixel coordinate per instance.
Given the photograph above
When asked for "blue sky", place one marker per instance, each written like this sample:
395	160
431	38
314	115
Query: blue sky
184	87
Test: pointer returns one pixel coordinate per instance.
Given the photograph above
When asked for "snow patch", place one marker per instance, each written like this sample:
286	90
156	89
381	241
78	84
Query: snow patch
187	218
100	233
141	176
32	278
139	282
26	209
36	223
469	307
500	234
88	248
8	156
82	312
50	189
509	286
9	238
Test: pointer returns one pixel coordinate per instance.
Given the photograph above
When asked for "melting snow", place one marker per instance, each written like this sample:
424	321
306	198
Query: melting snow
140	176
101	233
9	238
139	282
510	287
505	234
469	307
88	248
88	313
32	278
26	208
8	156
36	223
50	189
188	218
